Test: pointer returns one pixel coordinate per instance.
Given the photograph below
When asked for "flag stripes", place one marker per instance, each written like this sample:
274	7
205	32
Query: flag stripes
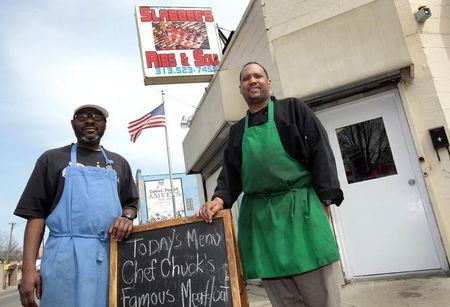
156	118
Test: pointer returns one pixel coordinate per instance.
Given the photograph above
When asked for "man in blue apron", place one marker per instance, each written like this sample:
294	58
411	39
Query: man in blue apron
82	193
279	156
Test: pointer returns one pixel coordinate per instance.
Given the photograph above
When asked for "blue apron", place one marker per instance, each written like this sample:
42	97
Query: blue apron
75	264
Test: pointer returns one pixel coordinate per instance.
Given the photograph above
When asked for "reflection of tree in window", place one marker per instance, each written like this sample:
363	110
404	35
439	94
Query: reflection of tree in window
366	151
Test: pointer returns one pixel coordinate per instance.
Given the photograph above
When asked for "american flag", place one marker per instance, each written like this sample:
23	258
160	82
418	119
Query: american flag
156	118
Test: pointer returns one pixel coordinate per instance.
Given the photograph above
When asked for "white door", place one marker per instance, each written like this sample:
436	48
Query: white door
385	224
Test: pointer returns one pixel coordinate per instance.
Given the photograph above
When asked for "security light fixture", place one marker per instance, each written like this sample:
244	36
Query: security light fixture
422	14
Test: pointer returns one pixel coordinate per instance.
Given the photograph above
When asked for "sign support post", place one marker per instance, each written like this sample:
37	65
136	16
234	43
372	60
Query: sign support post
169	163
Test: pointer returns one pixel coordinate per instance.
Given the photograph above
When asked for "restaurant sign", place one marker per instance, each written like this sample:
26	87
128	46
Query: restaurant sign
177	44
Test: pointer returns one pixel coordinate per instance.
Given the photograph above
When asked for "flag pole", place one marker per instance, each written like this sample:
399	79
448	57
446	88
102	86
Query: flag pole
168	160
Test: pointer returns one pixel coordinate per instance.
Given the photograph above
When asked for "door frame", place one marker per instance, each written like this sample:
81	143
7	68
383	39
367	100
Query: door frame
414	158
423	192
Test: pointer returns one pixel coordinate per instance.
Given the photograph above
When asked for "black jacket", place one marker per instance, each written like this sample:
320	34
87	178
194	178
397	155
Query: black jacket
304	139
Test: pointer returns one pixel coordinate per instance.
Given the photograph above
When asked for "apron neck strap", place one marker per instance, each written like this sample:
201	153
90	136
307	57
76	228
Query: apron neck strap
269	113
109	163
73	156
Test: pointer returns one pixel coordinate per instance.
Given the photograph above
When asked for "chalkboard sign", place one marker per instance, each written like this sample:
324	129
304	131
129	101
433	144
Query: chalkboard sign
183	262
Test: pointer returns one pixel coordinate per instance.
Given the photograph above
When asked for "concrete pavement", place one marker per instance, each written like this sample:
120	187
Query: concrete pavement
412	292
8	290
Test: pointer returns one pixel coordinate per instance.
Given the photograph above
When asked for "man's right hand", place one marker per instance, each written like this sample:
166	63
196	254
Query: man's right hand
31	281
30	288
210	209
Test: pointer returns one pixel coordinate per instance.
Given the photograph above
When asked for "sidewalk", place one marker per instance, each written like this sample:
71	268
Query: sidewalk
8	290
413	292
257	296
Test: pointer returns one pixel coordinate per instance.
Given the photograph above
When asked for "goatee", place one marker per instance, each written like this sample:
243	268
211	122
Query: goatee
91	139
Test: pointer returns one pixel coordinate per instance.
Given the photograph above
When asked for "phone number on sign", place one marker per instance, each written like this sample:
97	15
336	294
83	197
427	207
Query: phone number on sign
179	70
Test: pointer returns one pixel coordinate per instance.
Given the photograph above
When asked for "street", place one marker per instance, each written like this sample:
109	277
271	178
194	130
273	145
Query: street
10	300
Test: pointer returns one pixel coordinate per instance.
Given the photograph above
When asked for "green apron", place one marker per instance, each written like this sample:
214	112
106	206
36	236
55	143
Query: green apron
283	229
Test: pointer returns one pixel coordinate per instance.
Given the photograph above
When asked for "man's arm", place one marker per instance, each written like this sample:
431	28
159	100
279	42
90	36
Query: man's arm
321	159
123	225
31	281
229	184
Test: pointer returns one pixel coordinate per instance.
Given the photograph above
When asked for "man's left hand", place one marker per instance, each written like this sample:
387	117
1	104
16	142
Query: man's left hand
327	211
121	228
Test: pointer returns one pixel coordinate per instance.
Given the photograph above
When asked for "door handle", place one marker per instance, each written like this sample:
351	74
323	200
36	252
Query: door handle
412	181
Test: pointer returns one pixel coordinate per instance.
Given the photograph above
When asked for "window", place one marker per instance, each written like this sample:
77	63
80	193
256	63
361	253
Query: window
366	151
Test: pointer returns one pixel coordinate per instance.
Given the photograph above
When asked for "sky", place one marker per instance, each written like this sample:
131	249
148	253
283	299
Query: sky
58	54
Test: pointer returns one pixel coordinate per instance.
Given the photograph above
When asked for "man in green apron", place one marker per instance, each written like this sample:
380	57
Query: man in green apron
279	156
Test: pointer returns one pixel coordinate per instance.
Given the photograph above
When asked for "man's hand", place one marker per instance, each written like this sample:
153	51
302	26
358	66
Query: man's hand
30	286
210	209
327	211
121	228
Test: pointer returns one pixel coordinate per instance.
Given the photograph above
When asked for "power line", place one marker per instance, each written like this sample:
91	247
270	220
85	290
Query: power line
21	223
175	98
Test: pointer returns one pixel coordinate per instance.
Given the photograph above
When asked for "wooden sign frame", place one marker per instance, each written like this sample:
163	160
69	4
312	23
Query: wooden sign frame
237	284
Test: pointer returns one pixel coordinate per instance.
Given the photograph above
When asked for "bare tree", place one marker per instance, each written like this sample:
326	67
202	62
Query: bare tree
16	248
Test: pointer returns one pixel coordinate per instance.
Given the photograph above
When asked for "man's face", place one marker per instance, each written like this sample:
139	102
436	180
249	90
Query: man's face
89	126
255	85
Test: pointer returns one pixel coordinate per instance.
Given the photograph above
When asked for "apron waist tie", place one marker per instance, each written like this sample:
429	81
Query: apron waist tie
292	192
102	236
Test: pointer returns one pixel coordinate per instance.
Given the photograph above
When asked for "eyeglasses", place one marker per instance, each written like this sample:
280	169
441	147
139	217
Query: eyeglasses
82	117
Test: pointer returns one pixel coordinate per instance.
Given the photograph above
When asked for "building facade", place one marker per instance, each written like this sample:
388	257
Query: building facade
379	80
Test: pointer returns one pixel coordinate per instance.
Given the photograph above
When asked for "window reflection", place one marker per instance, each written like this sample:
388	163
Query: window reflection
366	151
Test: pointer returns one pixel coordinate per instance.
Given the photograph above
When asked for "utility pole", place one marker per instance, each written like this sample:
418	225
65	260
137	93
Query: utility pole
8	254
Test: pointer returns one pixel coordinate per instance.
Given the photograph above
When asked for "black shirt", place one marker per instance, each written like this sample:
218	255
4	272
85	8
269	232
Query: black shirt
46	183
303	138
